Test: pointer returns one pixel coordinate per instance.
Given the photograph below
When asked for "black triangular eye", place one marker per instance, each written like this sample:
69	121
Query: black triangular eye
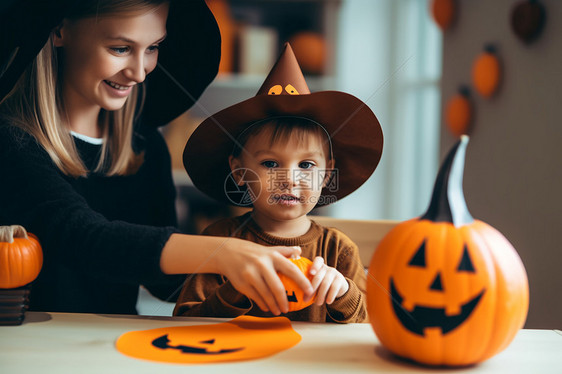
419	257
466	262
210	341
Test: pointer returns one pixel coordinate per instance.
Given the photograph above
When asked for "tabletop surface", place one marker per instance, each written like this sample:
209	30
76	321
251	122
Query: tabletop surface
85	343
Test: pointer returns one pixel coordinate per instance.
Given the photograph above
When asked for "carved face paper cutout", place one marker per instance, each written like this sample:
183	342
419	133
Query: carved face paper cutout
243	338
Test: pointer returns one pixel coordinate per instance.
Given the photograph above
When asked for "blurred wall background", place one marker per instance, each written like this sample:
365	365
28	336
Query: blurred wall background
513	174
392	55
385	52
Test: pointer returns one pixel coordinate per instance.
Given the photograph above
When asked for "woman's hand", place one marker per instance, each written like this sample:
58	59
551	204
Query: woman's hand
252	270
329	282
250	267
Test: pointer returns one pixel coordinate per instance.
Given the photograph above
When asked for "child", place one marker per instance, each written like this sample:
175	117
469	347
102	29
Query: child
88	170
285	151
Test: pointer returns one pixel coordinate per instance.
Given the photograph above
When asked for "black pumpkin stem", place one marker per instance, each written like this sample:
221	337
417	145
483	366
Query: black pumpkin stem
448	203
490	48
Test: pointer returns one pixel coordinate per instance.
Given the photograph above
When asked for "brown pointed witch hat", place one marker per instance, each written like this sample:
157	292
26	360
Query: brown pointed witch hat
355	133
285	77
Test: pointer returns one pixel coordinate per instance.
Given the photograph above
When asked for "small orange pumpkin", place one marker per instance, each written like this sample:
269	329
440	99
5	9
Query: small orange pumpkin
443	12
295	294
458	113
446	289
21	257
486	72
311	51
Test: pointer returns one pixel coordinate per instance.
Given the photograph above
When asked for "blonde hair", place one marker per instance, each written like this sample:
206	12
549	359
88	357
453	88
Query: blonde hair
35	106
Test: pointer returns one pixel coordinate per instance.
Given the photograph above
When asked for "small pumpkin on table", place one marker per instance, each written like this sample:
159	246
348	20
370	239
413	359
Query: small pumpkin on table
21	259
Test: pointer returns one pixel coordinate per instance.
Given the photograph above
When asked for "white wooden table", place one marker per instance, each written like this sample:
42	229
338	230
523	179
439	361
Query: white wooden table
84	343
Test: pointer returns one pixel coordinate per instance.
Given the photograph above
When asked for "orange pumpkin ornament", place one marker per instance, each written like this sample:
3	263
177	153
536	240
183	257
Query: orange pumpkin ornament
311	51
295	294
486	72
458	113
443	12
21	257
445	288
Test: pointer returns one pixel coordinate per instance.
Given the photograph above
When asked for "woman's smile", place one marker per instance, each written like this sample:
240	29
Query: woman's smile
118	89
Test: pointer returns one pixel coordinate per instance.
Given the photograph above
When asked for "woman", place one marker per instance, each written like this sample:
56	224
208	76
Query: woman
89	172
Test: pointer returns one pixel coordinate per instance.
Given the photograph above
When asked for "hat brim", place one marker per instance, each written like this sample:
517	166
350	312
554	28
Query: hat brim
188	59
355	133
25	27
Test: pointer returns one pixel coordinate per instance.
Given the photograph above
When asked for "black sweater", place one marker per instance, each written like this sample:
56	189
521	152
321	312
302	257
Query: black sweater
101	236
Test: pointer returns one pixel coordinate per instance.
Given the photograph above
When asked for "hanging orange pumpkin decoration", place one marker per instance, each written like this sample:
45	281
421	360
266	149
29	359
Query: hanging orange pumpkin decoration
21	257
445	288
458	113
486	72
295	294
443	12
528	19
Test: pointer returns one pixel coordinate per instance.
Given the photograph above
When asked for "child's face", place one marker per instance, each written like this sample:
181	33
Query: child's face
291	174
105	57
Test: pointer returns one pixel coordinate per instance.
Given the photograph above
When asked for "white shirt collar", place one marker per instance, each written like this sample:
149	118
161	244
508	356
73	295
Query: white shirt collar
87	139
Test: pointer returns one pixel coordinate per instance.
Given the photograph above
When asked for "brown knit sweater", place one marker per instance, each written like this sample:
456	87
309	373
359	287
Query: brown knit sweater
212	295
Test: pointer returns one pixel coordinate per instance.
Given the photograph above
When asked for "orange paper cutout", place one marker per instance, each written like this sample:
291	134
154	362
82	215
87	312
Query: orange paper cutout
243	338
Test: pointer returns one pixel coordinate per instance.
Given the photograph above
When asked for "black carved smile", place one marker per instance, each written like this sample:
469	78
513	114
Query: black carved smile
421	317
162	343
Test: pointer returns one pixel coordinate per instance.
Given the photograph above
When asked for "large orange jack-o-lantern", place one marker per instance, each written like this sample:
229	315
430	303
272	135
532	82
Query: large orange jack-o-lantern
446	289
243	338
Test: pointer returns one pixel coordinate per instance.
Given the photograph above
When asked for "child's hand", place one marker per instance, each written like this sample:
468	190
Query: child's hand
252	270
329	282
